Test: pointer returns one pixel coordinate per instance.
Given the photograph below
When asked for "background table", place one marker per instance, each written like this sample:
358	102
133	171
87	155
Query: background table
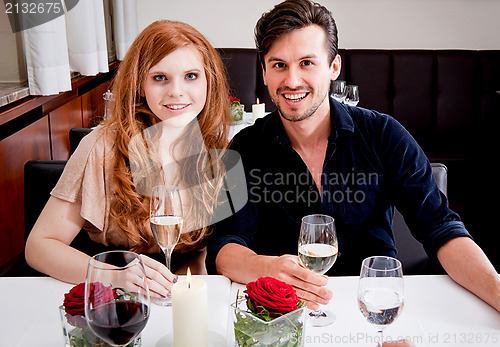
437	313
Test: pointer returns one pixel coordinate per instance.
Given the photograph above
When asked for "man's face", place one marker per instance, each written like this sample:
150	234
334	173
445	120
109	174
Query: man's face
298	75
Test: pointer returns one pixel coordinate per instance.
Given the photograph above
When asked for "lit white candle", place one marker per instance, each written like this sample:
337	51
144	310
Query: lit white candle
189	312
258	110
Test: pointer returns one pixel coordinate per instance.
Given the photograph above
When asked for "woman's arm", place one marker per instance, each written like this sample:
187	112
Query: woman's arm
48	247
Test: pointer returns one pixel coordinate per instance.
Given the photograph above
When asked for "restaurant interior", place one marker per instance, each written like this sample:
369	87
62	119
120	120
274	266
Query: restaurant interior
432	65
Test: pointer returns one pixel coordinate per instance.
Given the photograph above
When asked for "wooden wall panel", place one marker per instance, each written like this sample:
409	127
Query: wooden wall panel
37	127
30	143
62	120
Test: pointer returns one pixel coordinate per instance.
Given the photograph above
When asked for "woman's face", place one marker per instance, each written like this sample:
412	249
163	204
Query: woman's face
176	87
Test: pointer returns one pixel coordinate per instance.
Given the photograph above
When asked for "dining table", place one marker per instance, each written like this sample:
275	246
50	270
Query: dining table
246	121
437	312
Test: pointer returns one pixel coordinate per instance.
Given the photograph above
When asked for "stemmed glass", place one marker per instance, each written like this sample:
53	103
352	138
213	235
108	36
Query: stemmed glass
318	249
116	297
351	95
338	90
381	291
165	216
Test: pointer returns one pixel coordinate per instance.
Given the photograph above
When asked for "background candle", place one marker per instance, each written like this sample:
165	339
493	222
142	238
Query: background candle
258	110
189	312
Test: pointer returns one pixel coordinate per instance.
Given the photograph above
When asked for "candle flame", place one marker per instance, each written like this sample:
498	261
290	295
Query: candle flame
258	101
189	277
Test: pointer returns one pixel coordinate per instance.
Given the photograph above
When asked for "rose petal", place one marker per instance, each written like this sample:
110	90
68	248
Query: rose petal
272	294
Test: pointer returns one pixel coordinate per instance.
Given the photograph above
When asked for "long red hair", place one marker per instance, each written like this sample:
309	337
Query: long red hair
131	116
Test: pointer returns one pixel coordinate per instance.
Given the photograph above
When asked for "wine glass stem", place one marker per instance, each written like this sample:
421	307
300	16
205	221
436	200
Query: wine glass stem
168	257
381	338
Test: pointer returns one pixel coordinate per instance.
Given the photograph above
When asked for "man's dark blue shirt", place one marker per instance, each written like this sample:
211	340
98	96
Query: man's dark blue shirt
371	165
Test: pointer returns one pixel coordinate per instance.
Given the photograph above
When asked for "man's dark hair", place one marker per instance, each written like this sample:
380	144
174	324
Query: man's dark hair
291	15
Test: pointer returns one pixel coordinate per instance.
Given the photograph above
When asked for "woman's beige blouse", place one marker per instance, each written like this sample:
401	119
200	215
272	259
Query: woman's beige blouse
87	180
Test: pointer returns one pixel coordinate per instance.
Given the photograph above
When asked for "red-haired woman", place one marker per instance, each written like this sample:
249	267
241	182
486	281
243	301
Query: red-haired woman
170	104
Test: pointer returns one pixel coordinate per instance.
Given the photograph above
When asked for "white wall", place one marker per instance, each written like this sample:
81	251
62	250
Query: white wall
384	24
12	68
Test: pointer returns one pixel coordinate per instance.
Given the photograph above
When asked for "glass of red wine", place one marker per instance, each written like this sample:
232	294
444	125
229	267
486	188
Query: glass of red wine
116	296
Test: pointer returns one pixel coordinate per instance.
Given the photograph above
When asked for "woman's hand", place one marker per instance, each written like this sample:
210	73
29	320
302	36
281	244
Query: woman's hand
160	279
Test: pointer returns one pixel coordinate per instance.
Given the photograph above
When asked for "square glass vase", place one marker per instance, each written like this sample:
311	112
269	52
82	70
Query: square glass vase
250	330
238	113
76	332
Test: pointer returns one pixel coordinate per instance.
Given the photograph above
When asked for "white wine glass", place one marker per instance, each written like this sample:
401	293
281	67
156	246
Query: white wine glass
166	218
381	291
338	90
116	297
351	95
318	249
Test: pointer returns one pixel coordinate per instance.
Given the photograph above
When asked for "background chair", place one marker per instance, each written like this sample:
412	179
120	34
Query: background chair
75	136
411	253
40	176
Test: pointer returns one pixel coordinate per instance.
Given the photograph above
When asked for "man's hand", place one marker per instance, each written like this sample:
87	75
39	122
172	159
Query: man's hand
309	286
241	264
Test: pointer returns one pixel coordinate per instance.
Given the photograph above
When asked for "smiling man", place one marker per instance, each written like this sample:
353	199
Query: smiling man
298	73
314	155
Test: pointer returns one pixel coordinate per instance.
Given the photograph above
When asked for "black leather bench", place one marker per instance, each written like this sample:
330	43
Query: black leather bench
447	99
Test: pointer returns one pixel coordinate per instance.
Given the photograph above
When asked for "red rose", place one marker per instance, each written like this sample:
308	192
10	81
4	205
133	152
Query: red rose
233	99
273	294
74	301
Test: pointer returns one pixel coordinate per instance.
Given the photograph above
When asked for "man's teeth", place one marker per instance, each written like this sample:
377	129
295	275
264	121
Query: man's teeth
295	97
175	107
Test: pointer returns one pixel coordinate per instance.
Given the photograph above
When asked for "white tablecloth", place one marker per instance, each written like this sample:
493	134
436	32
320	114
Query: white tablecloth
437	312
247	121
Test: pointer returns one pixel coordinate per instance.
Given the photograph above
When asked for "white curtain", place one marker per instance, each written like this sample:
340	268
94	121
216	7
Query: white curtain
75	41
86	31
47	61
126	25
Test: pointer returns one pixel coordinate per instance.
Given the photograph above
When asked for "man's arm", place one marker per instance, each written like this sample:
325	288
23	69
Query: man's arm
467	265
243	265
430	220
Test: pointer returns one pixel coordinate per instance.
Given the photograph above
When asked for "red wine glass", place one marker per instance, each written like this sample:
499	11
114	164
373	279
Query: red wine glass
116	297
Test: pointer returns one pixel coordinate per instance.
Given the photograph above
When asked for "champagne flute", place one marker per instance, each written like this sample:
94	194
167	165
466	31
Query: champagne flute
351	95
165	216
116	296
318	249
381	291
338	90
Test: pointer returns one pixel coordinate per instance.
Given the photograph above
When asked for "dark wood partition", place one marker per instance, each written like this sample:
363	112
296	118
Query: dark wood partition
38	128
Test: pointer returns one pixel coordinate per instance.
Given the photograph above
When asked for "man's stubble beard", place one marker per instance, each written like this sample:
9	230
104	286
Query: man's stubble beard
308	113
